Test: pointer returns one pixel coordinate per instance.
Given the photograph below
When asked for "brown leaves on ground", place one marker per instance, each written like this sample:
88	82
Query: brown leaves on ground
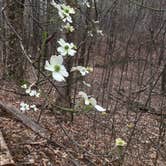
89	140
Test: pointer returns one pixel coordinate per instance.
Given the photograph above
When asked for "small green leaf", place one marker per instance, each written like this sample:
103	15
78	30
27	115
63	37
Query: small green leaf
88	108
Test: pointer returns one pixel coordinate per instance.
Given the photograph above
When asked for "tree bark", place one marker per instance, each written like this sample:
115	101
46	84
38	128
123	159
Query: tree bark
36	31
66	91
14	65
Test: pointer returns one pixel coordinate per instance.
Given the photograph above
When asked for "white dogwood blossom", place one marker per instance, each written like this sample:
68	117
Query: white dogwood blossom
91	101
66	48
68	27
83	70
120	142
24	107
32	92
55	66
69	49
64	11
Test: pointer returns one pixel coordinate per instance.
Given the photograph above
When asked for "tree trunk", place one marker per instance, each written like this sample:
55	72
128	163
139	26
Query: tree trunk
14	65
67	91
36	31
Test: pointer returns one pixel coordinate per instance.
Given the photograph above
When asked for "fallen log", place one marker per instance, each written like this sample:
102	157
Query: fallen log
25	120
5	156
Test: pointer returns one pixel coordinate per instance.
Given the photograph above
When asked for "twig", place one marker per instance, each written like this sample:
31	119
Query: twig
147	7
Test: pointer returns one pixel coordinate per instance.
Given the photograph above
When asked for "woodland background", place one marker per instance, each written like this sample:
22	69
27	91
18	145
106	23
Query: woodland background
129	80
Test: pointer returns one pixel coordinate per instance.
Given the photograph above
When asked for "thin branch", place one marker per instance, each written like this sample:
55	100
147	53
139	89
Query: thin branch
147	7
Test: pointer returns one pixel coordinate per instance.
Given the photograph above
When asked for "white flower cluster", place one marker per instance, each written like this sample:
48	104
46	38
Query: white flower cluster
64	11
31	92
91	101
68	27
83	70
120	142
66	48
55	65
26	107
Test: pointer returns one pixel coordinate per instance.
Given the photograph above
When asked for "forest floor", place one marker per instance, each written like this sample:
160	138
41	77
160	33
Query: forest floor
88	140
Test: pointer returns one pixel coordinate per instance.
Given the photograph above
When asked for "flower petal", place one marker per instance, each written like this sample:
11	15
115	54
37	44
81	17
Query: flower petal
62	51
64	71
87	102
61	42
58	76
69	19
28	90
56	60
93	101
59	59
72	11
73	69
53	3
99	108
71	52
48	66
83	94
53	60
